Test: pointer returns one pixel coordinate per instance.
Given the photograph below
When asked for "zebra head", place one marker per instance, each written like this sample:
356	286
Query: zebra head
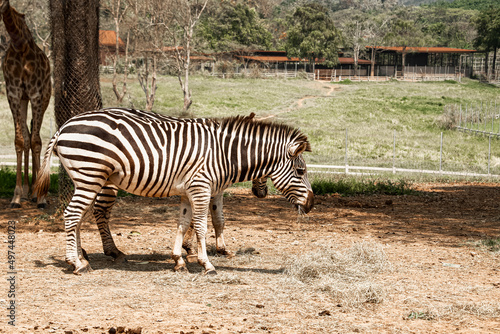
259	187
291	178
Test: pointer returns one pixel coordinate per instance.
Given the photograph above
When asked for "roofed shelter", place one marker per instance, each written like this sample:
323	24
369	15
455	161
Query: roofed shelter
107	45
279	61
400	61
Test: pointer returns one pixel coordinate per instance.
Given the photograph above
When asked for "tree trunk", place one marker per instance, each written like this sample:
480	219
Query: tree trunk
403	60
120	95
185	87
372	69
493	65
143	77
75	43
486	67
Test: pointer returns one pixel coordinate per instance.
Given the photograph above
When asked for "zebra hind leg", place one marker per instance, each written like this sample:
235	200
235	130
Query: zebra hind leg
199	197
102	208
80	202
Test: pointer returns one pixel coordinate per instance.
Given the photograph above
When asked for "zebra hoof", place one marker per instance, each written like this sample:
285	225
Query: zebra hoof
179	269
84	268
226	253
192	258
210	272
85	255
14	205
119	257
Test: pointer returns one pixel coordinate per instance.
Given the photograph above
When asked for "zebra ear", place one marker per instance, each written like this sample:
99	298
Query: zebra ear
297	148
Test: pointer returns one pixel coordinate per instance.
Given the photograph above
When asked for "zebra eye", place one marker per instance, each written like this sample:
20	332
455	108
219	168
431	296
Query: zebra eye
301	171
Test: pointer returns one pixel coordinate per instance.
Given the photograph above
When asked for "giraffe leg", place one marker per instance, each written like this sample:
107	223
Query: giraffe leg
102	208
218	222
21	136
27	148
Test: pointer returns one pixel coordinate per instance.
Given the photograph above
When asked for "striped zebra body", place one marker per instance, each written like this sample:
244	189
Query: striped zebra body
105	202
156	156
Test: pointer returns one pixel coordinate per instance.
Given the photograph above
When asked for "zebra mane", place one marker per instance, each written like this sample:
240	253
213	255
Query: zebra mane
295	134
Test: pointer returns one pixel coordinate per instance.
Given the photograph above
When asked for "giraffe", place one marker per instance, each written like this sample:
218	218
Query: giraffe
26	70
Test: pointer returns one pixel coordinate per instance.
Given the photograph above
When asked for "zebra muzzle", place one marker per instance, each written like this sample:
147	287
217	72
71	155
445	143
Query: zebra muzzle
309	204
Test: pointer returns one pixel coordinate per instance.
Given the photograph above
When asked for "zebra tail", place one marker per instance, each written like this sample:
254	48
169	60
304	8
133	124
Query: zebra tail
42	184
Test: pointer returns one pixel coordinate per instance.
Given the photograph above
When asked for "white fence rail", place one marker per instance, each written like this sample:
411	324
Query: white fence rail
349	170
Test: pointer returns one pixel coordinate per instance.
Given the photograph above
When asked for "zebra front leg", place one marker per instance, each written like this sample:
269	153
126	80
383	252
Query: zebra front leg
102	208
182	227
217	214
187	243
73	214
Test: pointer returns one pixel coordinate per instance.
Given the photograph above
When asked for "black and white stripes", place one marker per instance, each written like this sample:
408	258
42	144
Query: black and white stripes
157	156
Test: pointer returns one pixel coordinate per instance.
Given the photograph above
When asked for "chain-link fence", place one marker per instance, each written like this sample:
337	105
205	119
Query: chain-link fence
75	50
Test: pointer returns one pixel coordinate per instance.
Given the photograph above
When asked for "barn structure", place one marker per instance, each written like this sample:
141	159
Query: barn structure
407	62
404	63
278	60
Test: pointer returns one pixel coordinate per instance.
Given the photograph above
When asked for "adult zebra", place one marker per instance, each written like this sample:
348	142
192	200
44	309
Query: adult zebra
112	149
104	204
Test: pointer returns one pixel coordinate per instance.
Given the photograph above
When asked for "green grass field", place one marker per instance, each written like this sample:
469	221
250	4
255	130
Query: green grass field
372	113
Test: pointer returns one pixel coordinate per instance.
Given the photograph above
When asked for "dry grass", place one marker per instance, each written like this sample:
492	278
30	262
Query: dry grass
347	276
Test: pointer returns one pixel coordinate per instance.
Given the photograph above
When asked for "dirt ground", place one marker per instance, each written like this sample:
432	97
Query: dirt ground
437	277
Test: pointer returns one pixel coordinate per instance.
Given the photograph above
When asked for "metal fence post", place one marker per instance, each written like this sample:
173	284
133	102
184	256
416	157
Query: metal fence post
346	163
460	119
489	154
465	120
441	155
394	154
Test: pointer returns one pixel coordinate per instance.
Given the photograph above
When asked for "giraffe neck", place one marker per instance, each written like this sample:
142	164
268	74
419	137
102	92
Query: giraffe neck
16	27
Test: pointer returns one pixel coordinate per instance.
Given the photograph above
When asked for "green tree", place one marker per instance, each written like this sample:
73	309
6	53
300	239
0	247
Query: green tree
355	33
234	27
405	32
488	33
450	27
311	34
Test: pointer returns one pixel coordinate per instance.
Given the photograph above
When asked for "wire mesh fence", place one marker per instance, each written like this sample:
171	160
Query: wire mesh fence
75	45
479	118
398	152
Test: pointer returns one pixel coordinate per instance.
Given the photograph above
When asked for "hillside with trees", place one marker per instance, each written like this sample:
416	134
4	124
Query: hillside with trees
163	35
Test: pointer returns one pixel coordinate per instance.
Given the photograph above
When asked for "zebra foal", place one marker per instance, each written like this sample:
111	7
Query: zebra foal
155	156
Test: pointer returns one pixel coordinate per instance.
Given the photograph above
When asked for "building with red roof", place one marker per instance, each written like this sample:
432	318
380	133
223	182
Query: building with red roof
107	45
